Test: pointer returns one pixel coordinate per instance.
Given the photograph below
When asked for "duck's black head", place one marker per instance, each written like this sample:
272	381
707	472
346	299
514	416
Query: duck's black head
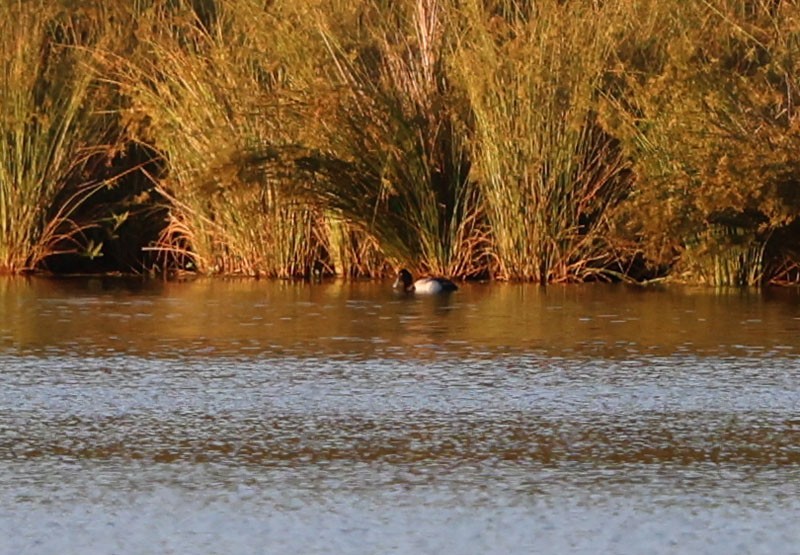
404	280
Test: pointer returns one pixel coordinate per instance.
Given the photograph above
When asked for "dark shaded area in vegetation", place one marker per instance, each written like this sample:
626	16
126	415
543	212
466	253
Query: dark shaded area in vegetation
550	141
120	222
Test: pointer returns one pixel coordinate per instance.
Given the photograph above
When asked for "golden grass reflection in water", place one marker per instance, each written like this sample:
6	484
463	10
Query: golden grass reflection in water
504	418
363	320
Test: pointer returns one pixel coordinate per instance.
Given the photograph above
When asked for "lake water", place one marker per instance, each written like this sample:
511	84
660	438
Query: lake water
238	417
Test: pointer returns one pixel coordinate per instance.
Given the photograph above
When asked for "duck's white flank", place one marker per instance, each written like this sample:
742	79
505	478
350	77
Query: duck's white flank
424	285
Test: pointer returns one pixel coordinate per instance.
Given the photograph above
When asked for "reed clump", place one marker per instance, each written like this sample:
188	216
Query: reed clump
395	162
205	90
54	138
547	169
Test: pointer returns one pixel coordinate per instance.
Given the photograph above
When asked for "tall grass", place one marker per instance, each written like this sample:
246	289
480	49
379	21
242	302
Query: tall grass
50	131
548	171
547	141
205	93
352	252
397	166
724	256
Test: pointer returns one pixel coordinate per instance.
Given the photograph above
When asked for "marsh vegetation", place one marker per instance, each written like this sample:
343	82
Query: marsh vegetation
547	141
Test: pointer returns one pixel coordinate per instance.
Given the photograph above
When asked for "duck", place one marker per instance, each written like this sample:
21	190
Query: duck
432	285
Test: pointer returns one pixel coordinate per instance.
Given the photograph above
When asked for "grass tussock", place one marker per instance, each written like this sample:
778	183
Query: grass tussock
395	158
548	171
53	135
204	93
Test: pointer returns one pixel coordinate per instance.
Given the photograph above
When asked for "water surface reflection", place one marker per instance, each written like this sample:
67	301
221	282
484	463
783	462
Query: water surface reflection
368	320
221	416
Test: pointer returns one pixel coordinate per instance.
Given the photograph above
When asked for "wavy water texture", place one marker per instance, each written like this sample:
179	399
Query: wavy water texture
218	417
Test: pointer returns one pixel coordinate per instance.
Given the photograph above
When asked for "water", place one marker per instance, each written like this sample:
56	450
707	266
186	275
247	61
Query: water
223	416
